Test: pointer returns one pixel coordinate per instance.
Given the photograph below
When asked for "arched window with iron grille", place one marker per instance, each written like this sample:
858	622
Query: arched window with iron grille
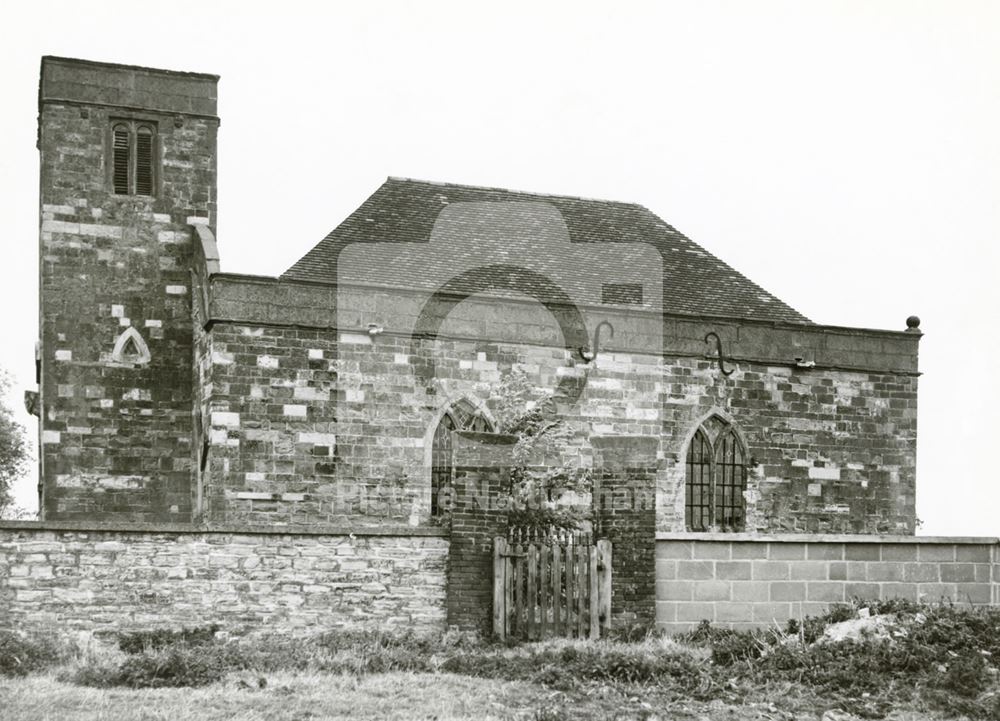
460	416
716	477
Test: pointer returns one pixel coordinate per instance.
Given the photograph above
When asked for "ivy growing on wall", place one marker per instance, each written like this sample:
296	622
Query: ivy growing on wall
549	488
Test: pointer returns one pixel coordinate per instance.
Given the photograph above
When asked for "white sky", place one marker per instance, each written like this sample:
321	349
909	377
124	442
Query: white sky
844	155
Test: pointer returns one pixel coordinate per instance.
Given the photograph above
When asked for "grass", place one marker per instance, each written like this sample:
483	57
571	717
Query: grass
301	696
291	696
939	661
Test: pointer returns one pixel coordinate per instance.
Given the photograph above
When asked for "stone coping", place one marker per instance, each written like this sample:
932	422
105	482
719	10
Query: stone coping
181	528
824	538
241	278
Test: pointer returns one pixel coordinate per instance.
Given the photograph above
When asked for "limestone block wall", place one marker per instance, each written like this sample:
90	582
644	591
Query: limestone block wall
115	430
77	577
743	582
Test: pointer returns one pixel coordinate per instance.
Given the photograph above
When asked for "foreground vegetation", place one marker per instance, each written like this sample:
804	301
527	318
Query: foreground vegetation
941	660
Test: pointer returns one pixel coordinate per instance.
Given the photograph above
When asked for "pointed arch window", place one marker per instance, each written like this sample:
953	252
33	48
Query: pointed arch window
716	477
133	158
460	416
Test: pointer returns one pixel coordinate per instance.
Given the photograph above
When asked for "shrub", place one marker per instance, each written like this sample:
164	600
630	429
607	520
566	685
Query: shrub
966	675
631	633
566	665
728	646
178	665
22	653
943	656
138	641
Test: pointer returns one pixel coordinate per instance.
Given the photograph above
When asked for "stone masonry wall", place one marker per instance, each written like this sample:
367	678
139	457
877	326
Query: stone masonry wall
744	582
115	436
305	416
833	451
294	415
95	580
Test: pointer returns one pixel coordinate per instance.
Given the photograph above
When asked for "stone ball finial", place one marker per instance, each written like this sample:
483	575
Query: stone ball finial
913	323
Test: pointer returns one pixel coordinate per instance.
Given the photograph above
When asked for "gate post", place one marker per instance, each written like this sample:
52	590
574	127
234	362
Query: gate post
604	551
481	479
500	587
625	513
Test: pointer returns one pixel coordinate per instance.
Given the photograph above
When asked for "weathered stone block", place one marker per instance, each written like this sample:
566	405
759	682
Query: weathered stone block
787	551
755	591
771	570
695	611
733	570
825	552
675	549
674	590
713	591
769	613
788	591
712	550
696	570
827	592
935	553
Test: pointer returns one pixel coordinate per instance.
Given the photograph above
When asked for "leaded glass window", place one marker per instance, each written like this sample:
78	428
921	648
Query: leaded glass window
716	477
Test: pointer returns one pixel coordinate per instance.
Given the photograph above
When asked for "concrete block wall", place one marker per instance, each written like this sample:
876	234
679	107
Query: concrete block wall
745	582
77	577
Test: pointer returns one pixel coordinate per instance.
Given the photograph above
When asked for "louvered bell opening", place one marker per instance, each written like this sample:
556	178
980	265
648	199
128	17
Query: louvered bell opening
144	162
120	161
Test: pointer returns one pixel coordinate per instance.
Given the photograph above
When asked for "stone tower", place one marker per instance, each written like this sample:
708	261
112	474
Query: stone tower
128	170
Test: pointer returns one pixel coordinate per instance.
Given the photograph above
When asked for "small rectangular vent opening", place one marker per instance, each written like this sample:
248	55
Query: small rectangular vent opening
622	293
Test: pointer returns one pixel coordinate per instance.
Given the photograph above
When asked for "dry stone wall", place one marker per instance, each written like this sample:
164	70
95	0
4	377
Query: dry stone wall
99	580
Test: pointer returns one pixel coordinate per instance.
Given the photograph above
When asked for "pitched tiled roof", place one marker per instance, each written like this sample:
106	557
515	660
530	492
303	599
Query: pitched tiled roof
426	231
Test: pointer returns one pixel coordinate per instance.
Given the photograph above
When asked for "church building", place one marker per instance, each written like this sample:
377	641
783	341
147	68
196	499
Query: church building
171	392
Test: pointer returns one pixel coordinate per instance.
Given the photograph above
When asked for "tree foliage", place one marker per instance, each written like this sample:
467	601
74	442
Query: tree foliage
548	486
14	456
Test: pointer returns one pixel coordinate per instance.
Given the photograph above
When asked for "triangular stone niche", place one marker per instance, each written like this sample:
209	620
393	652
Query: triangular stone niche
131	348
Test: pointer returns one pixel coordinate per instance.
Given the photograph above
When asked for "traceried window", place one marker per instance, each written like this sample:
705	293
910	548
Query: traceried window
716	479
460	416
133	158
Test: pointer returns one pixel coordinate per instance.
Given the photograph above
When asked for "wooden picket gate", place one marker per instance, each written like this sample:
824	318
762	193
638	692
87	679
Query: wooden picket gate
551	585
